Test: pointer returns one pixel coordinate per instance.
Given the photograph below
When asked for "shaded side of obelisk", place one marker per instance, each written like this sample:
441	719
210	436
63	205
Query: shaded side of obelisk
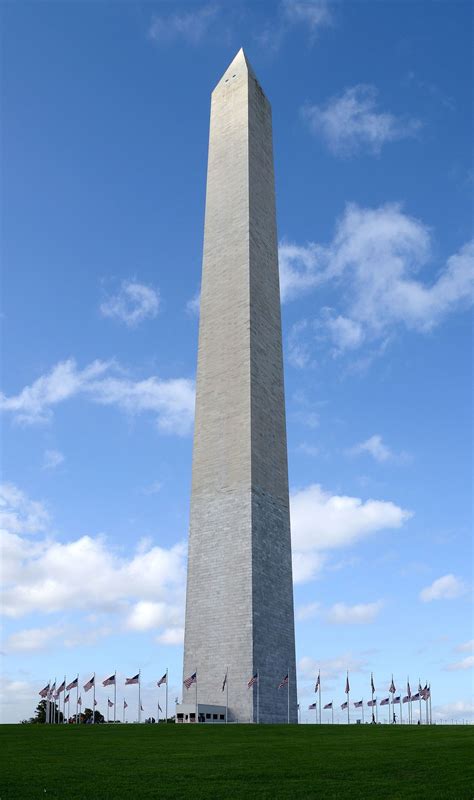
239	604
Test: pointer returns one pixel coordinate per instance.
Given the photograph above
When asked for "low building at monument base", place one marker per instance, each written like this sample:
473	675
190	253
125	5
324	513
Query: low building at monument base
186	712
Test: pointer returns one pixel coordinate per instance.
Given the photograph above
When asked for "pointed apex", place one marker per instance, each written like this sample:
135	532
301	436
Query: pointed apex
240	63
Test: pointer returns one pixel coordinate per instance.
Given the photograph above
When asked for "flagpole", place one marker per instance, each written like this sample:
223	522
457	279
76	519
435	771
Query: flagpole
123	714
226	694
139	697
166	706
431	715
115	696
376	712
319	687
93	704
54	702
288	694
362	711
77	698
419	698
332	712
401	709
348	698
196	715
258	697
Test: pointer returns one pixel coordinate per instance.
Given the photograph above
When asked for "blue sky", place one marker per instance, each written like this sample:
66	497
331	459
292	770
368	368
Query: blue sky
106	113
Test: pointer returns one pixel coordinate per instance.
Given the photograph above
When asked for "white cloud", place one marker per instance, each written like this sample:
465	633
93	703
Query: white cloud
132	304
466	647
170	401
308	611
351	122
299	352
41	576
465	663
52	459
19	514
314	14
153	488
360	614
191	26
171	636
455	710
331	669
32	639
193	306
306	566
376	254
375	447
447	587
321	521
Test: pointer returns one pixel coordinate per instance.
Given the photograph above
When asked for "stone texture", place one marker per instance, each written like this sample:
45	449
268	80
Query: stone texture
239	606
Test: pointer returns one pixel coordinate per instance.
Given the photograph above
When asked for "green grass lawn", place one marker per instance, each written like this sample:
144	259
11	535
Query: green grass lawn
235	761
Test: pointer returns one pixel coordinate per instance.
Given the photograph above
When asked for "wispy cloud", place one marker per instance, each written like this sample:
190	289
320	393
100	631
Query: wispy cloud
52	459
132	304
191	26
351	122
193	306
375	447
448	587
465	663
359	614
171	401
308	15
377	254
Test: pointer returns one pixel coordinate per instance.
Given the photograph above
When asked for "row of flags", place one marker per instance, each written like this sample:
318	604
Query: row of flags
51	692
188	682
423	693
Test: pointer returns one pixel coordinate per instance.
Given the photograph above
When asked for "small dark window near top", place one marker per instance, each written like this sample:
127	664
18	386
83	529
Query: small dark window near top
214	716
222	716
208	716
233	76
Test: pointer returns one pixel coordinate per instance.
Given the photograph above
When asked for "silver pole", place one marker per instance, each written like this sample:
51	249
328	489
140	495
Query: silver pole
139	697
115	696
288	695
166	707
258	697
226	694
77	699
332	712
319	687
197	708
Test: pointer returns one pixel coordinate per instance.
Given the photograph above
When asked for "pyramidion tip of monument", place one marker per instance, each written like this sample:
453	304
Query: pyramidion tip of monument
239	62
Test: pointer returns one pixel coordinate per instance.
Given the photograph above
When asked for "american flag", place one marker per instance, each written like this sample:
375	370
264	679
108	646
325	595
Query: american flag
253	680
125	704
141	708
110	704
406	699
189	681
109	681
312	706
426	692
159	707
328	705
385	701
53	687
162	680
62	687
283	682
135	679
359	704
224	682
392	687
66	699
372	703
372	682
318	682
79	701
408	689
415	696
44	692
344	705
72	685
348	688
396	699
89	684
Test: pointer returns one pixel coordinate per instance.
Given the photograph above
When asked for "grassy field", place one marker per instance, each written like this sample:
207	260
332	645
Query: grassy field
236	761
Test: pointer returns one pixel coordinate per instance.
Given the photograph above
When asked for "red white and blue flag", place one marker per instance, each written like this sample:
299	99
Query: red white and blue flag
130	681
253	680
385	701
372	682
44	692
359	704
189	681
72	685
406	699
408	689
318	682
312	706
396	699
392	687
328	705
162	680
66	699
79	701
283	682
344	705
62	687
89	684
372	703
224	682
110	704
109	681
348	688
125	704
415	696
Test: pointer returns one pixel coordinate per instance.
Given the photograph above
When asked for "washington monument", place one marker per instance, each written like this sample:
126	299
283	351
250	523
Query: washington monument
239	605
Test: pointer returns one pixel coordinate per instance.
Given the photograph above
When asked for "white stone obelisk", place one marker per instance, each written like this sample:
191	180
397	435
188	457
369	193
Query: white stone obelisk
239	605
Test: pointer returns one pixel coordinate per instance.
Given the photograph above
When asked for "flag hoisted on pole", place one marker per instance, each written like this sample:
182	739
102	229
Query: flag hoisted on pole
420	693
286	682
330	706
410	718
372	689
225	686
188	683
74	685
89	685
132	682
348	688
254	681
317	689
112	681
125	705
391	713
164	680
314	707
